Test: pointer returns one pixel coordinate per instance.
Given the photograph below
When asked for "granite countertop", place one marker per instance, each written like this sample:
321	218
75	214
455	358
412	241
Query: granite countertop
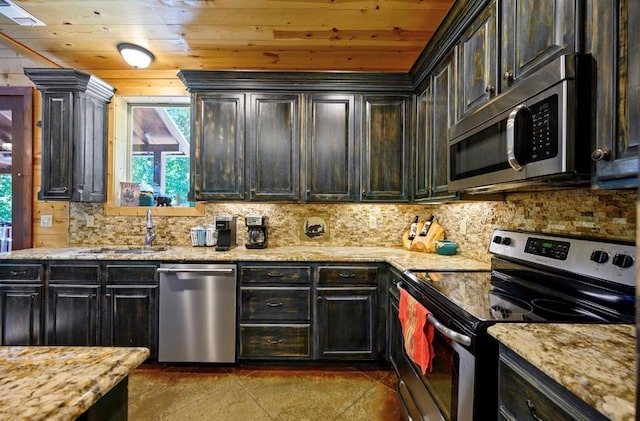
597	363
399	258
60	383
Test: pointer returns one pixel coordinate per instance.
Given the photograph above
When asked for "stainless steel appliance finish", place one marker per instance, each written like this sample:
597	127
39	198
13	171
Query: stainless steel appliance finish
197	313
534	278
537	133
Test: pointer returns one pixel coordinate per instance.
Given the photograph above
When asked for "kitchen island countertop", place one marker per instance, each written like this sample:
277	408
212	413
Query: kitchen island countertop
594	362
60	383
399	258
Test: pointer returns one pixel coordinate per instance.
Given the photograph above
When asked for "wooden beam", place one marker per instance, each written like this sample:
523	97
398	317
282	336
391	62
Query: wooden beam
26	51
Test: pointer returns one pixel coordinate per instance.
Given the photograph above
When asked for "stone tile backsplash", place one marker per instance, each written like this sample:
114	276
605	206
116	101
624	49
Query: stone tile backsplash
581	212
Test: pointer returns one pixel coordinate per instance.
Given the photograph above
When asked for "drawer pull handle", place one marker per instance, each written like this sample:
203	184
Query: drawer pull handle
532	410
35	295
274	304
347	275
278	342
275	274
18	273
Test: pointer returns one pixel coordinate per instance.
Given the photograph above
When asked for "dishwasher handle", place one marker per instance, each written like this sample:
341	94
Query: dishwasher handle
195	270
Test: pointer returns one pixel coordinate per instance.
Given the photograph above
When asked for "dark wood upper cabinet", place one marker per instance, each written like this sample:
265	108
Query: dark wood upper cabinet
617	58
74	134
217	157
273	147
477	59
330	148
534	33
385	148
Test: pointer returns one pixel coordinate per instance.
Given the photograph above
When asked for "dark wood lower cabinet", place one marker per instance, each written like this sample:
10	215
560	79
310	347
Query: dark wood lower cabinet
73	315
130	317
275	340
347	326
21	314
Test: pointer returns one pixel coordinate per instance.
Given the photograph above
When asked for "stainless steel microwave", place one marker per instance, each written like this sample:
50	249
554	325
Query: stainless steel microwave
537	134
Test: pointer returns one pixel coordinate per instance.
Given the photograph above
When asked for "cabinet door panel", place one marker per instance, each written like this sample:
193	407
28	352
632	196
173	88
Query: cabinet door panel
275	341
347	323
330	148
443	100
423	142
535	32
56	151
20	314
274	147
386	146
478	63
276	304
90	156
73	314
131	317
218	155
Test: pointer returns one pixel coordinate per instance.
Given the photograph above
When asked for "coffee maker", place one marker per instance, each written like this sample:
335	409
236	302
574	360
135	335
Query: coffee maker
226	228
257	235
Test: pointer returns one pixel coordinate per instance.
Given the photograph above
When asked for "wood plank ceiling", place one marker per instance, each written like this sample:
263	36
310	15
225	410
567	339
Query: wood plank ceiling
310	35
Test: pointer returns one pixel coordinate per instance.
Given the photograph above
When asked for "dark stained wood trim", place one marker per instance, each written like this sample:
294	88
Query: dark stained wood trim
20	100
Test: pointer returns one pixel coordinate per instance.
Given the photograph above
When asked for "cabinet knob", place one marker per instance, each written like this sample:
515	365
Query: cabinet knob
65	189
275	274
274	304
35	295
601	155
489	89
507	76
347	275
532	410
18	273
107	296
320	298
272	342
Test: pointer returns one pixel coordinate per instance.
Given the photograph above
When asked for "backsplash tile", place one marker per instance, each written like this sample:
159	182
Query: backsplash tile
581	212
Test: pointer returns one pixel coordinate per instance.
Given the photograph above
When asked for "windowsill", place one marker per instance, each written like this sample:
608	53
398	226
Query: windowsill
111	210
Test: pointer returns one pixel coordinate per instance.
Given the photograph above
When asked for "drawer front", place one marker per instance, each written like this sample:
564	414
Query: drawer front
275	274
347	275
275	341
277	304
128	274
20	273
72	273
522	397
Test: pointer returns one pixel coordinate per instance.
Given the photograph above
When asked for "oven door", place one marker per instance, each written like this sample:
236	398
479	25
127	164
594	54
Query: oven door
444	393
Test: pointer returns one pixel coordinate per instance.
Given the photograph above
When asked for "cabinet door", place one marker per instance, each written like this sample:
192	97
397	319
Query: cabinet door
90	150
385	160
618	79
330	152
57	150
217	157
347	325
73	315
422	149
130	317
20	314
477	60
534	33
273	155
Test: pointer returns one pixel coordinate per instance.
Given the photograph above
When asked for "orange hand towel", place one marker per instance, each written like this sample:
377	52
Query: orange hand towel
416	330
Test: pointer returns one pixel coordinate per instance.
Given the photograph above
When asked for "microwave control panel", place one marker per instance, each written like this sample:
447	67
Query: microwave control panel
544	129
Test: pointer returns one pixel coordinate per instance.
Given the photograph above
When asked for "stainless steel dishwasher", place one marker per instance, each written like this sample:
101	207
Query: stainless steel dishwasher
197	313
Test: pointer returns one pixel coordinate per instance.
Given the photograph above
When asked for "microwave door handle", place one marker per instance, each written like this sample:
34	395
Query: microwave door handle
511	138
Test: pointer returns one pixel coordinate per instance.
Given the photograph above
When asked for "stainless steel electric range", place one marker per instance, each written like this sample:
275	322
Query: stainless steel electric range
534	278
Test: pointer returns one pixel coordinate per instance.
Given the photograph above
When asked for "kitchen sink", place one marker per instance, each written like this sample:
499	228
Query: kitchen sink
124	250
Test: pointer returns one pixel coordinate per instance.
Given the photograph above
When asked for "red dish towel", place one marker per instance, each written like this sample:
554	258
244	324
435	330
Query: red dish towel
416	330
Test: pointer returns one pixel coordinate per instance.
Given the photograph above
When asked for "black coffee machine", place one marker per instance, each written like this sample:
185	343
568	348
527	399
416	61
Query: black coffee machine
226	228
257	235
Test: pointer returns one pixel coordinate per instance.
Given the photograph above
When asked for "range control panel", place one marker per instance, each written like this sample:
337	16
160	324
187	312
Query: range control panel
610	261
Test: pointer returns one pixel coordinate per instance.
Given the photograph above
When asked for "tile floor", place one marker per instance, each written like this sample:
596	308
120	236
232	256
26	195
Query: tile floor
258	393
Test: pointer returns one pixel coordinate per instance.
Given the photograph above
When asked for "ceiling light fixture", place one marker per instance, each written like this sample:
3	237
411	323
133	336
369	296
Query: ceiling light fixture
135	55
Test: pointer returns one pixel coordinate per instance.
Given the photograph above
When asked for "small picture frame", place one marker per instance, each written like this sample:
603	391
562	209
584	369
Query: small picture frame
129	194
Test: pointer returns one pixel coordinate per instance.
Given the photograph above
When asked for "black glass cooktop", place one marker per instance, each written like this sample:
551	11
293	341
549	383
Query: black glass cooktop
494	296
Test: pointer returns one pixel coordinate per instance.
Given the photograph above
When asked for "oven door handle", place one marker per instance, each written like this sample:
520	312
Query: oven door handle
449	333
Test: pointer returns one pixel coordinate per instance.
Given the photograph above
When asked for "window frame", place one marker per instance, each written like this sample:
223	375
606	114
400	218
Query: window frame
119	154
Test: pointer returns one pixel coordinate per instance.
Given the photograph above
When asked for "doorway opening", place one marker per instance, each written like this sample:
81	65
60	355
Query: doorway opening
16	168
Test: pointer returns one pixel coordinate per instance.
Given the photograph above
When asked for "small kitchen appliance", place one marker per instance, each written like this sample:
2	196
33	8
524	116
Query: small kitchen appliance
257	232
226	228
534	278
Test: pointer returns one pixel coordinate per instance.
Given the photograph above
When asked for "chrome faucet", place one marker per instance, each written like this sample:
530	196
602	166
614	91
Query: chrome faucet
151	231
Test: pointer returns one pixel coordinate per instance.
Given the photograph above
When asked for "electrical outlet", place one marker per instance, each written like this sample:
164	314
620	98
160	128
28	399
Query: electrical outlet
46	221
463	227
373	222
90	221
